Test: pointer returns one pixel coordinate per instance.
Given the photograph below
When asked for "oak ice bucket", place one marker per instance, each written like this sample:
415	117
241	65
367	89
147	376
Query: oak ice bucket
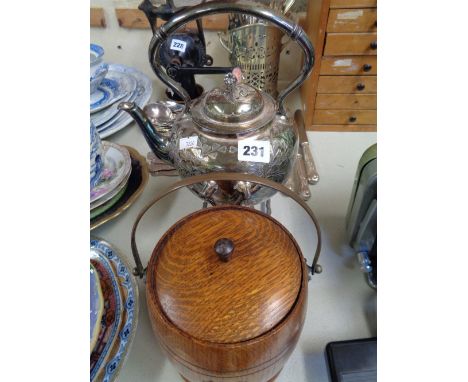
226	288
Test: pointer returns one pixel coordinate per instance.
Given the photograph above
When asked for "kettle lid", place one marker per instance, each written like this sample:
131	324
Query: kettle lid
226	274
236	108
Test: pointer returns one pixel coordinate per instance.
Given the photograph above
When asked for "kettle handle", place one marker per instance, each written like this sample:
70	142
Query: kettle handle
294	31
220	176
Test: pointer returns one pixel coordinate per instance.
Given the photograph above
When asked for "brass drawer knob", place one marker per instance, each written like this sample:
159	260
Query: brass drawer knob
352	119
360	86
373	45
366	67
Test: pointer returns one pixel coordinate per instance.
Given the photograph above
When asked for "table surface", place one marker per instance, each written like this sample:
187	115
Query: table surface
341	306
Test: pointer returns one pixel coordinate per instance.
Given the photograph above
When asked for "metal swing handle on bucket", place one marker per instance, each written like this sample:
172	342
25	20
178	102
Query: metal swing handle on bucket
294	31
226	176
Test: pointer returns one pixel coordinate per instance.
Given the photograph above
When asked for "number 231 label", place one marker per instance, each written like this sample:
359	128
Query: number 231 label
253	151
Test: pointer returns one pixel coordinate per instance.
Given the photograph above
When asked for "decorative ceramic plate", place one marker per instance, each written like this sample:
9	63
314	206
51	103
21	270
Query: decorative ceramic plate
117	165
128	83
100	95
108	92
135	186
121	113
142	95
129	291
104	199
122	118
105	115
103	208
112	315
96	52
96	305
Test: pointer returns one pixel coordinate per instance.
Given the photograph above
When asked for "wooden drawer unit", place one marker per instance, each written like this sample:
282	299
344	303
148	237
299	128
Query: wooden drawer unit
352	20
353	4
345	117
346	101
351	44
347	84
341	94
346	65
348	128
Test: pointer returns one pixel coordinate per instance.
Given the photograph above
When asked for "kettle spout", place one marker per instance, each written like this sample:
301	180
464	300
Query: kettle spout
157	142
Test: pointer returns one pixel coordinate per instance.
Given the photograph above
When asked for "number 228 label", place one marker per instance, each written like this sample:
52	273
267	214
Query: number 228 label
253	151
178	45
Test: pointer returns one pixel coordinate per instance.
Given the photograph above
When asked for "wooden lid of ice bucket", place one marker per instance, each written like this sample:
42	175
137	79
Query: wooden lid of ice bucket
225	274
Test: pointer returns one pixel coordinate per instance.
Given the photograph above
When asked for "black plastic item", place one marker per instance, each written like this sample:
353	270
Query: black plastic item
353	361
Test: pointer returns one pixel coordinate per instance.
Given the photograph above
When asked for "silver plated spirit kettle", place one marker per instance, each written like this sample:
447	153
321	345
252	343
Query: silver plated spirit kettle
236	128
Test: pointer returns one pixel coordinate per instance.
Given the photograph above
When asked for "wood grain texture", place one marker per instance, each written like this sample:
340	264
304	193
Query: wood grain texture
344	117
350	44
348	65
132	18
219	301
346	101
347	84
316	22
256	359
353	3
136	19
352	20
344	51
270	380
97	18
346	128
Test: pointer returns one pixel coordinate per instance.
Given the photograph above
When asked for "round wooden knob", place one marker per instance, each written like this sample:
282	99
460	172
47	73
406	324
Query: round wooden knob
352	119
366	67
373	45
224	248
360	86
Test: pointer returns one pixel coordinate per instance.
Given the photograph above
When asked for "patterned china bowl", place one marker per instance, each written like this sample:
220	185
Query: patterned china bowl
96	157
98	69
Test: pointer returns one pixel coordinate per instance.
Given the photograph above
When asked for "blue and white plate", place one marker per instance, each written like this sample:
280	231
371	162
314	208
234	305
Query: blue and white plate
99	96
113	312
98	69
96	53
109	91
129	290
140	96
128	84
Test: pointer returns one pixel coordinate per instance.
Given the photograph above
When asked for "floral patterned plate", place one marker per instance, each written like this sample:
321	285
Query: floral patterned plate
135	186
112	315
117	167
96	305
103	208
129	290
117	190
